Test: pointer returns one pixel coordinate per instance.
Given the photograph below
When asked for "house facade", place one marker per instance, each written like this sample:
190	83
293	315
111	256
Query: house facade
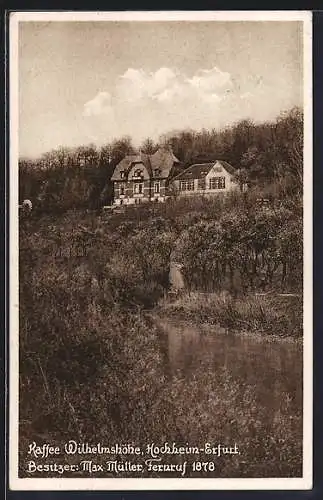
206	179
141	178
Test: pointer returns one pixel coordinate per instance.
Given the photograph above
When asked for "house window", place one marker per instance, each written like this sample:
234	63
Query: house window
138	188
157	172
122	189
201	183
157	187
137	172
186	185
122	174
217	183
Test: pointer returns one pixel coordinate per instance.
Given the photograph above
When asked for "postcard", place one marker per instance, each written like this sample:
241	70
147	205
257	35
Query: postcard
160	250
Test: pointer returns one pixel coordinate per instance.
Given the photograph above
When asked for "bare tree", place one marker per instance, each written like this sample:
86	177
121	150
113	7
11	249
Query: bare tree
148	146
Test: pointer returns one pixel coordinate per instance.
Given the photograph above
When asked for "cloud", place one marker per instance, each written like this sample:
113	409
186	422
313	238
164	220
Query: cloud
211	81
99	105
165	85
137	84
149	103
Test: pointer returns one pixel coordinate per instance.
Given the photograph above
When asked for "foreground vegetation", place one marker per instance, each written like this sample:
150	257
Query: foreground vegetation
94	358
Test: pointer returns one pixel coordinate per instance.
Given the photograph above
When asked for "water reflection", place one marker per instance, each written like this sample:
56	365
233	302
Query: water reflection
272	367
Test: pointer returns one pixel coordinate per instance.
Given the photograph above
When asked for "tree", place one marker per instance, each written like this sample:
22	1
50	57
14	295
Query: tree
105	154
242	139
63	156
86	155
49	160
290	137
148	146
120	148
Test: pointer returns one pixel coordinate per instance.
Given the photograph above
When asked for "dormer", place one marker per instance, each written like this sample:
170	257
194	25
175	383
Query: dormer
121	170
137	173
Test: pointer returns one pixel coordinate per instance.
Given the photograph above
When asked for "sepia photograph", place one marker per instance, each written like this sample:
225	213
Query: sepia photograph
160	250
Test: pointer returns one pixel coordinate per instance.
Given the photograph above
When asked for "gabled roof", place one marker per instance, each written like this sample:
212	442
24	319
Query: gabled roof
196	171
163	160
200	170
229	168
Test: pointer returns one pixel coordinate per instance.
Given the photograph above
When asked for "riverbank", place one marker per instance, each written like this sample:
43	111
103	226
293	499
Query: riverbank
271	315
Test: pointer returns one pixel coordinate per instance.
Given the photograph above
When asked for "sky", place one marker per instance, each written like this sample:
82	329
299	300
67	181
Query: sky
92	82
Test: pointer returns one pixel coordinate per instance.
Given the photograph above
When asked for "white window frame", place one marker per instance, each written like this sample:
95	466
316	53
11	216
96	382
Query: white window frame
217	182
138	188
187	185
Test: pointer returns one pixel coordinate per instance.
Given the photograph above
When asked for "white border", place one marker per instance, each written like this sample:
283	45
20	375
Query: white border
16	483
166	16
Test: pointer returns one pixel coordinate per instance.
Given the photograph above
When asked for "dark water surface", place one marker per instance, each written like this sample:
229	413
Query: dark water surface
272	366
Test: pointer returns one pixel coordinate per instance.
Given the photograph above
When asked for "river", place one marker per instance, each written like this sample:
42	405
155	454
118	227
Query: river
272	366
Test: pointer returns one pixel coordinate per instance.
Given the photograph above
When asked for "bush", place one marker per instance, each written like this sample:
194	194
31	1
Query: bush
243	250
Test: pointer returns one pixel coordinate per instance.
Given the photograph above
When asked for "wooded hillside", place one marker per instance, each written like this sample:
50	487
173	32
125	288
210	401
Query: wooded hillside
268	155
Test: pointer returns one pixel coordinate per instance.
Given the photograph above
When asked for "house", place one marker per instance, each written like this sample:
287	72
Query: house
206	179
139	178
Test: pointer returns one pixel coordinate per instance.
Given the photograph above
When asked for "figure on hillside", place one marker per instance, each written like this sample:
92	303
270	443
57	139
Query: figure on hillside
176	278
26	206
